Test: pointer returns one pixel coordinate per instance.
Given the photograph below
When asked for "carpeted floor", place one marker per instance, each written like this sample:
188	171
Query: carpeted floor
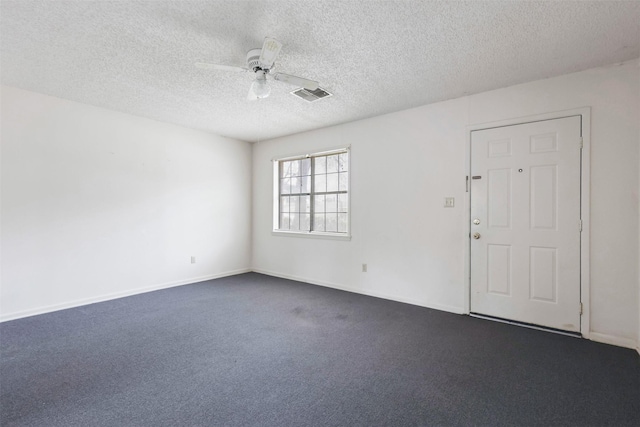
253	350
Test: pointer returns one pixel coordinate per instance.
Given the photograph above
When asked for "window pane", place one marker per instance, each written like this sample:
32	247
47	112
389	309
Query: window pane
284	221
318	222
331	203
284	204
295	185
332	182
321	164
294	204
305	167
343	180
332	222
332	163
294	222
343	162
305	184
343	203
342	222
320	183
305	222
285	186
305	203
286	169
318	204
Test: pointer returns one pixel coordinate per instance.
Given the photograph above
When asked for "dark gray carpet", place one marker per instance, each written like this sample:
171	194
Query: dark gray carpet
253	350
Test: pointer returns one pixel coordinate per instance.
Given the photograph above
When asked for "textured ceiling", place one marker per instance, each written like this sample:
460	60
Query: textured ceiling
374	56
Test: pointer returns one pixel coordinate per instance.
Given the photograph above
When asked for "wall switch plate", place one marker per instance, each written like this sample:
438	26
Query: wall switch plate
193	260
449	202
364	268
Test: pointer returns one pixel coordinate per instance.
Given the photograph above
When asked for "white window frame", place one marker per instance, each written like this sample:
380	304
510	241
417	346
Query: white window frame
276	196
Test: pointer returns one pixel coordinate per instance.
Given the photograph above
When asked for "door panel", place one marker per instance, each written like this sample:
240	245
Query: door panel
499	277
543	190
499	198
543	274
525	196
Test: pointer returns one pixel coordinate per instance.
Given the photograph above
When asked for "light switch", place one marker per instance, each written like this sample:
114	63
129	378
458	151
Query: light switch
449	202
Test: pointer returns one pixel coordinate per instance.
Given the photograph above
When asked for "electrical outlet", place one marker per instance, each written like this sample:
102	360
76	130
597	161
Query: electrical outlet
364	268
193	260
449	202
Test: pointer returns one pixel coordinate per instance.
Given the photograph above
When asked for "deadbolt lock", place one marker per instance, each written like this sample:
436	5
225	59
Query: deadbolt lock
476	235
476	221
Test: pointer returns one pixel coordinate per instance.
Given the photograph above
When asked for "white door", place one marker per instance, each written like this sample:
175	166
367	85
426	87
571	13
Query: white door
525	222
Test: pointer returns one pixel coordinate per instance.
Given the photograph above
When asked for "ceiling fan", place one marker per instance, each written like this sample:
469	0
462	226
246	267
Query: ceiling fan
261	62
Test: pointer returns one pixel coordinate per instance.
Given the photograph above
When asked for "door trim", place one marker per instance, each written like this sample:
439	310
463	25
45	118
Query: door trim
585	203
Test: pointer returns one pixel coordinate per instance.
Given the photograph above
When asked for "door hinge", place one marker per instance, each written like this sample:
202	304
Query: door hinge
581	143
580	225
580	309
466	184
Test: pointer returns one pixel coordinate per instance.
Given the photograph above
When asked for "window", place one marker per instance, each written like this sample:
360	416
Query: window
312	193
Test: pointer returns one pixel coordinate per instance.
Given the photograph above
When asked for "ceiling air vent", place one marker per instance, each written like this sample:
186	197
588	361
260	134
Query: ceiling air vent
311	95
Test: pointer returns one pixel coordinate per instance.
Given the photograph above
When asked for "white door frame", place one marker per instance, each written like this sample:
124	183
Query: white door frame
585	204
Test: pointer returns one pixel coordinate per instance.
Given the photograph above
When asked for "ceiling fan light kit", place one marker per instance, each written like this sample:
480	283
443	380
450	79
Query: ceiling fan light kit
260	88
261	62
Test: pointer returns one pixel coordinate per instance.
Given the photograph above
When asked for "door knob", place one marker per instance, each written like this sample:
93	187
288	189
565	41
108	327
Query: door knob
476	235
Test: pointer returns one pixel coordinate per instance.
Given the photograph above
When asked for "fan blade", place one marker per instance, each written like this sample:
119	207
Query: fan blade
206	66
270	50
296	81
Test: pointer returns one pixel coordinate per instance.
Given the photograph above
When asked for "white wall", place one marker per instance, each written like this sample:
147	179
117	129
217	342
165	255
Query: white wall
404	164
98	204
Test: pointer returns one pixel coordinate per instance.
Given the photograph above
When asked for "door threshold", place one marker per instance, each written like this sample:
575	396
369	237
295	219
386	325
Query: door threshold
526	325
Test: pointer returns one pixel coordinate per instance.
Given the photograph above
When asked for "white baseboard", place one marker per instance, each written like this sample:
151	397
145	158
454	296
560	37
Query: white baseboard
594	336
116	295
614	340
441	307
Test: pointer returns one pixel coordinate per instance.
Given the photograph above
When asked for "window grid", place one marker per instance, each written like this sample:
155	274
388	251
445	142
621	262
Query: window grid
294	212
319	204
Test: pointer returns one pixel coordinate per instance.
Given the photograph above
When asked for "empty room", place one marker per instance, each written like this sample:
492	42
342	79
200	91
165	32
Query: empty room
319	213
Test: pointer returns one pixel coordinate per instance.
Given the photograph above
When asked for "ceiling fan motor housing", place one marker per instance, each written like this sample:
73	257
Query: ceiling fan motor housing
253	59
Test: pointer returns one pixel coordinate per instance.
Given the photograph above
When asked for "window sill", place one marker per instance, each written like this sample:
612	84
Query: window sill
313	235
